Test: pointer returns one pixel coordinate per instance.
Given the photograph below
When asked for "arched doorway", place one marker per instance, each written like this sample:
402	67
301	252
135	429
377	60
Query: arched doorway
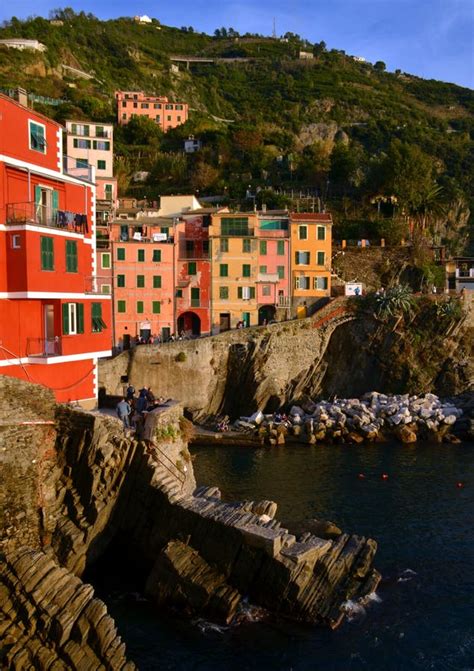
266	313
190	323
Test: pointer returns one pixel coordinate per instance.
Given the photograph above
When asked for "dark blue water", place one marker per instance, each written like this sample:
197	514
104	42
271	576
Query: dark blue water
423	523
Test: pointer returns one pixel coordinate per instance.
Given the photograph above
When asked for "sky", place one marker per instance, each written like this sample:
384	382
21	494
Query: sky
429	38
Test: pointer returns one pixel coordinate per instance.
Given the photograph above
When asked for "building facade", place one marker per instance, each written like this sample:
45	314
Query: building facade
159	109
273	278
54	319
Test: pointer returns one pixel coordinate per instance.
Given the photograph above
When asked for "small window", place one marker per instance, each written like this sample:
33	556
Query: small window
266	290
101	165
178	118
246	245
168	118
224	293
262	269
224	270
156	281
16	241
71	256
157	118
98	324
303	232
156	255
263	247
179	293
157	106
124	116
37	136
281	247
224	245
246	270
106	289
140	281
140	255
281	272
302	283
302	258
156	307
121	281
73	318
321	232
120	253
121	306
321	258
321	283
105	260
139	307
192	268
124	103
82	163
47	253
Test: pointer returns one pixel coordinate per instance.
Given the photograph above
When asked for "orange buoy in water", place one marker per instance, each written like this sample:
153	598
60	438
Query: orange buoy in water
460	485
384	476
361	476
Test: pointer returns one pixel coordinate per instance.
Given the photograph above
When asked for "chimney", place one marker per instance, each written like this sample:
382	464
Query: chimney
264	207
22	96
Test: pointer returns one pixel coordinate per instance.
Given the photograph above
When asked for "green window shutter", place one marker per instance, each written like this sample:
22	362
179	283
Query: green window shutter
55	202
120	280
246	270
224	245
252	292
263	247
121	306
223	270
245	245
120	253
140	281
224	292
157	255
47	253
239	292
262	269
281	272
156	306
105	260
37	195
140	255
97	322
140	307
65	318
192	268
156	281
71	256
320	258
80	317
281	247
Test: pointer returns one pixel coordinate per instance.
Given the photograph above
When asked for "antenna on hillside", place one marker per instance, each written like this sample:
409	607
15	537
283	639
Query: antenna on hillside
274	29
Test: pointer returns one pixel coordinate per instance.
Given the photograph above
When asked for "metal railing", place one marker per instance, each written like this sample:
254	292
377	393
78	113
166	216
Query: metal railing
98	285
44	215
43	347
71	168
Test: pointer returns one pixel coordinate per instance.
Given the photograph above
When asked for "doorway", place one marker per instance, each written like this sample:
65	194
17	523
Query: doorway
224	321
50	345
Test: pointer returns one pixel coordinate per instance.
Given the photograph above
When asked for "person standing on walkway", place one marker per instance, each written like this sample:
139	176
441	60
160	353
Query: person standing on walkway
123	413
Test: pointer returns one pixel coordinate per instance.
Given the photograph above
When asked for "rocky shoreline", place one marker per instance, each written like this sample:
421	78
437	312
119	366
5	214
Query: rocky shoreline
373	418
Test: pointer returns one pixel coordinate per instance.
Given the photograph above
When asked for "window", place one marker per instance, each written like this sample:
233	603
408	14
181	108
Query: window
140	281
82	163
165	230
157	255
223	270
321	258
157	118
101	145
100	131
156	307
246	245
246	270
157	106
141	255
281	272
139	307
80	129
321	232
179	107
302	282
73	318
321	283
235	226
135	105
124	103
178	118
120	280
246	293
266	290
81	144
47	253
168	107
224	245
262	269
121	306
302	258
98	323
281	247
106	289
224	293
168	118
108	188
303	232
144	106
16	241
120	253
263	247
71	256
37	136
156	281
102	165
192	268
179	293
124	116
105	260
195	297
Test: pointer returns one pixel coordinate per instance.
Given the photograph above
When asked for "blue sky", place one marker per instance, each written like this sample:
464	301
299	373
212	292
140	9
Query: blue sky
429	38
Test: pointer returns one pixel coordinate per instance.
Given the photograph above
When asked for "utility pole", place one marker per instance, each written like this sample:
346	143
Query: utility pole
274	29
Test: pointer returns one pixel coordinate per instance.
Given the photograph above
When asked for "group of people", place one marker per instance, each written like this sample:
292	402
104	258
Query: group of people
131	409
157	339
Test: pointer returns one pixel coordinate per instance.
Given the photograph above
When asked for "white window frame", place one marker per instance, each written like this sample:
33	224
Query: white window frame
72	314
298	280
106	289
317	279
300	226
300	263
41	125
16	241
245	293
317	233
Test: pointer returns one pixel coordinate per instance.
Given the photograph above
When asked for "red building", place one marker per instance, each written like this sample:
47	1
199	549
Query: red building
54	317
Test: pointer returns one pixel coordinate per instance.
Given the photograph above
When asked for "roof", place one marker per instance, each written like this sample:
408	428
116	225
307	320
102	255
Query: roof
29	110
311	216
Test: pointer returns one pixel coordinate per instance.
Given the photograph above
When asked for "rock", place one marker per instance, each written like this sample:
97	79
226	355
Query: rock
296	410
265	508
406	435
256	418
355	438
450	419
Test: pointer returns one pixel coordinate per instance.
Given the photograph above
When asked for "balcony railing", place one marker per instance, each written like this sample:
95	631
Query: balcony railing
43	347
191	254
284	302
98	285
43	215
268	277
71	168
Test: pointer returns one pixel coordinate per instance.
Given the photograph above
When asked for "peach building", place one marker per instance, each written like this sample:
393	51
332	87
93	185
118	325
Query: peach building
159	109
311	247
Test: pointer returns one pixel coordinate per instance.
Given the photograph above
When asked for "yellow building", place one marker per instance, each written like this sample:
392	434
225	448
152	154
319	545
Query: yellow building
311	248
234	252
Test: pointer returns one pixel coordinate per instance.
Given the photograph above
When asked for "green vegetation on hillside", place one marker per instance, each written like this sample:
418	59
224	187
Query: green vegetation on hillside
385	152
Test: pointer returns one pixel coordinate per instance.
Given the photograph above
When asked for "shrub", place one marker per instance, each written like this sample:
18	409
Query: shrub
180	357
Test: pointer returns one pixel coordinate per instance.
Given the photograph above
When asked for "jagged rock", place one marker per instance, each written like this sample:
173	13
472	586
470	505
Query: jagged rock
265	508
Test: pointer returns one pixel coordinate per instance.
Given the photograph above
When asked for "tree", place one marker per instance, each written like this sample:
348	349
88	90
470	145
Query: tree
204	175
380	66
141	130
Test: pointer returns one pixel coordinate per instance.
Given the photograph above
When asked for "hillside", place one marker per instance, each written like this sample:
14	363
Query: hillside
341	130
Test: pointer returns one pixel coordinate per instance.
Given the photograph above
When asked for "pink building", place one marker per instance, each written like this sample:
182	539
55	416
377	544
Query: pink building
159	109
273	278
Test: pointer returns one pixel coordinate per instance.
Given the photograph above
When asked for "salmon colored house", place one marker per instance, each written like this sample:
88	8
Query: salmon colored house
54	319
273	277
311	248
159	109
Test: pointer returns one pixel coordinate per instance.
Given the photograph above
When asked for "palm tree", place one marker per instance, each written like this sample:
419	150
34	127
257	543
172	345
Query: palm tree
427	206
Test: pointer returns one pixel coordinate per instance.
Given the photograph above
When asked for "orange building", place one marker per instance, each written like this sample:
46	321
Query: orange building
311	248
54	319
159	109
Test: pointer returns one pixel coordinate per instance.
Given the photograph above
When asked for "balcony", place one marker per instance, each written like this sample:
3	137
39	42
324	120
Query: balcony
284	302
42	348
268	278
70	167
101	285
194	254
42	215
186	303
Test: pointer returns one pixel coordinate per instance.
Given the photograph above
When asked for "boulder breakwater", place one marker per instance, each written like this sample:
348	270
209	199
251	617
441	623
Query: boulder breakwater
72	484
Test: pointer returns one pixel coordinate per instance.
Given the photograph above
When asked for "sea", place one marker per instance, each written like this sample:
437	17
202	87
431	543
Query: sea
417	502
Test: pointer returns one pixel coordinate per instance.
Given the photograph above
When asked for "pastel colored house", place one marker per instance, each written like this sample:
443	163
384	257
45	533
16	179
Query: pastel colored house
273	278
54	319
159	109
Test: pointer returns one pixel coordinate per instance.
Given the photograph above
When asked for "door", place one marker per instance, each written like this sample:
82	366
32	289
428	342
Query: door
195	297
224	321
49	339
46	203
165	333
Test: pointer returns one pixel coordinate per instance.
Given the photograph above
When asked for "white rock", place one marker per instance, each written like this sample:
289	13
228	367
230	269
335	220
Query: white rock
257	417
296	410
